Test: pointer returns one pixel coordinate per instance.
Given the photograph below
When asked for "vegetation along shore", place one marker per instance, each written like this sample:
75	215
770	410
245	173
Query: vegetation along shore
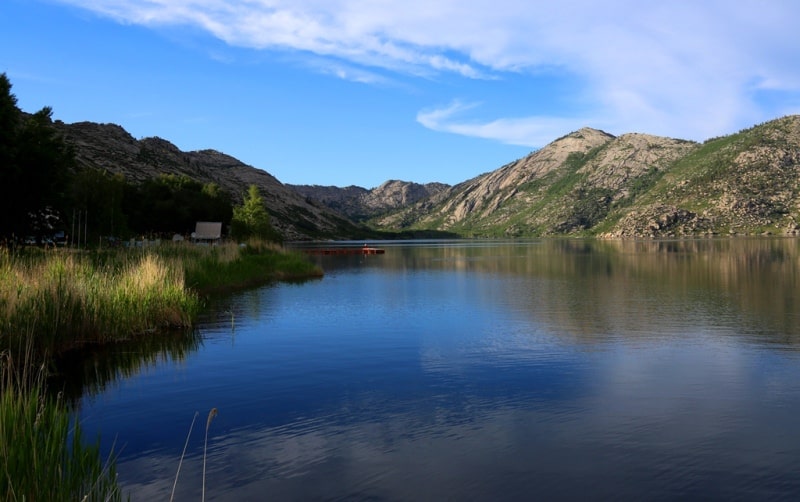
66	281
56	299
52	300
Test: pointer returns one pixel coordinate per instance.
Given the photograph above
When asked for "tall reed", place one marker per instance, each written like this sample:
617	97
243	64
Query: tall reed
42	450
235	266
65	299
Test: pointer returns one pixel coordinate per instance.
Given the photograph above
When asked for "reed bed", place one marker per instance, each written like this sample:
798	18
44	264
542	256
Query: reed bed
67	299
61	299
42	452
232	266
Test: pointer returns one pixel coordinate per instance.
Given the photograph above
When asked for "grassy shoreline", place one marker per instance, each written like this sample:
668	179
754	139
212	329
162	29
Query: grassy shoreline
55	300
58	300
256	263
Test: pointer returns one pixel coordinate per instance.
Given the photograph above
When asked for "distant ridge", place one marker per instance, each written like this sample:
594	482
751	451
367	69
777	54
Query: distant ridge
361	204
586	183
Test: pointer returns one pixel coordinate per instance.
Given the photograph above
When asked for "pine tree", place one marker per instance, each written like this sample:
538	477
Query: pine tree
34	164
251	219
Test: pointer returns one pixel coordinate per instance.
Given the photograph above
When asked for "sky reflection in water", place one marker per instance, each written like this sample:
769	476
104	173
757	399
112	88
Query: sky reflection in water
552	370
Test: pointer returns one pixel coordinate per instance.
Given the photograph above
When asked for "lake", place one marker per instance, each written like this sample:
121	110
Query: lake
473	370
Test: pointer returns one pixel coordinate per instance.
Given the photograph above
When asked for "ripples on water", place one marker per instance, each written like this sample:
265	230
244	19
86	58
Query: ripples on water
550	370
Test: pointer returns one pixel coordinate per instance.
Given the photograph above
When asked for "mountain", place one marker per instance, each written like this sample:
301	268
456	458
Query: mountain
111	148
635	185
744	183
588	182
360	204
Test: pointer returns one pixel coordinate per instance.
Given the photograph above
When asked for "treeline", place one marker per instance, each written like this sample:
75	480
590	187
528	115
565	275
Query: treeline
109	205
44	194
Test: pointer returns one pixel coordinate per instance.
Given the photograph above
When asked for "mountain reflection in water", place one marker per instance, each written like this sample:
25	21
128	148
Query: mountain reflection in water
553	369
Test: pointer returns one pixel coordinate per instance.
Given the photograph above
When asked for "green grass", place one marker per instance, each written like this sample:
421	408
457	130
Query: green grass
61	299
230	267
43	455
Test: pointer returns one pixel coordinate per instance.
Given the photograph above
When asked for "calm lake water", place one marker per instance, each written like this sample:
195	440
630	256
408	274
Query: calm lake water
475	370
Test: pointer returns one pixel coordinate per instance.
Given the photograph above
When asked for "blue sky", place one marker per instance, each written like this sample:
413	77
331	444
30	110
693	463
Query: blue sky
356	92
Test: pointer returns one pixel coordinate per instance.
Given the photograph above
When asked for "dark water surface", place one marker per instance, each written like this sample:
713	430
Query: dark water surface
549	370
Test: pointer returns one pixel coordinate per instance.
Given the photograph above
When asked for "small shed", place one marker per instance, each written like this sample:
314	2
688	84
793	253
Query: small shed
207	231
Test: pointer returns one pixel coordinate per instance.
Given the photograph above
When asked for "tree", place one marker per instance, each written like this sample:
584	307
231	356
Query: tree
98	196
174	203
251	219
9	173
9	118
34	164
217	205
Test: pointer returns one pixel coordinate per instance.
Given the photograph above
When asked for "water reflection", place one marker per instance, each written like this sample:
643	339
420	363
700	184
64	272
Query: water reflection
640	431
627	286
558	369
92	370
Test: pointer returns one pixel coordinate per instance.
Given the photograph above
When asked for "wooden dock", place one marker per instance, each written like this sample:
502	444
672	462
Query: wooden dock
343	250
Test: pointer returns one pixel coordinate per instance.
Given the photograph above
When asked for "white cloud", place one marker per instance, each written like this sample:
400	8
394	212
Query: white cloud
682	68
532	132
347	72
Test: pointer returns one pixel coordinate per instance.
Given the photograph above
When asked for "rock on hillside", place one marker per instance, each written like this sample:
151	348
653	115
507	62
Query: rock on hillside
110	147
361	204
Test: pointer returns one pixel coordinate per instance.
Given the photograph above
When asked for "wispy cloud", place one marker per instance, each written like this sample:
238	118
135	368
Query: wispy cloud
347	72
346	29
532	132
686	68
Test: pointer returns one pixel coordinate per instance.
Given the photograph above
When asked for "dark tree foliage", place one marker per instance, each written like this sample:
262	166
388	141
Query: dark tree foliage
170	204
96	199
9	118
34	166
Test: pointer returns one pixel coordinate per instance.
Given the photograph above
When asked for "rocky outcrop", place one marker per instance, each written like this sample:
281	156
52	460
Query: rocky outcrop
483	199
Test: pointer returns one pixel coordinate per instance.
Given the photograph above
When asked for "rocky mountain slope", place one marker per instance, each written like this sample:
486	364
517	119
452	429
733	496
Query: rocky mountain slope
635	185
745	183
585	183
110	147
360	203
